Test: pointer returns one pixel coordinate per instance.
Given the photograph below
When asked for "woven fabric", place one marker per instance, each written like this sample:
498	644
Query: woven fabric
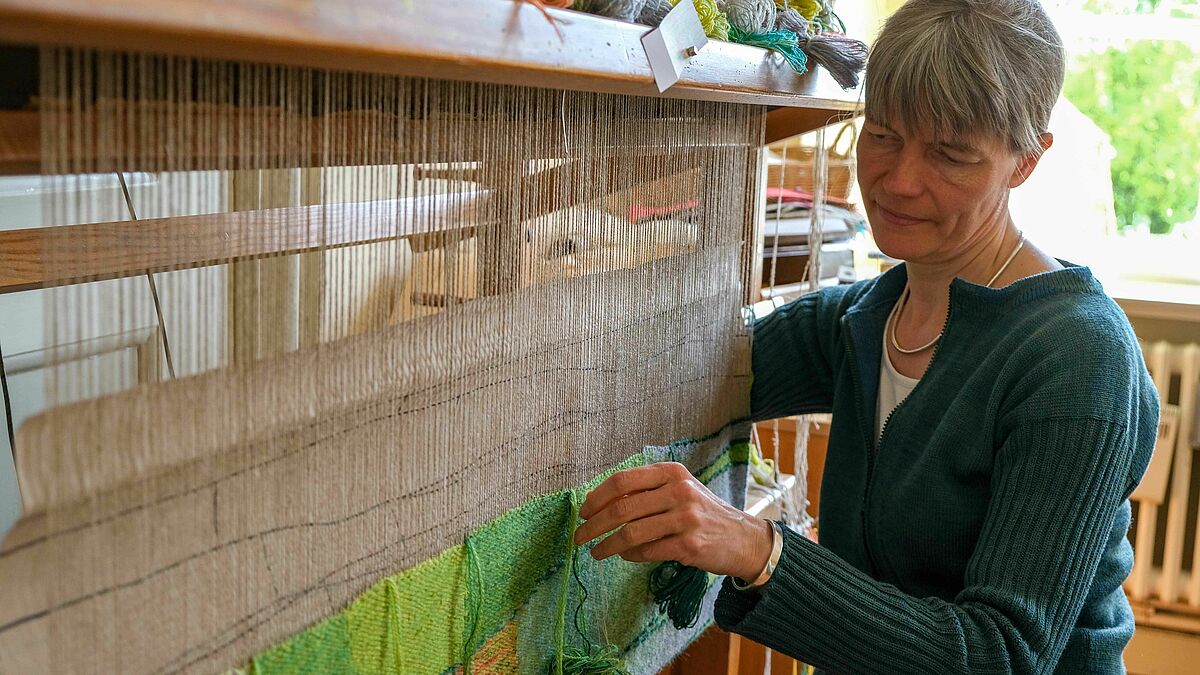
495	601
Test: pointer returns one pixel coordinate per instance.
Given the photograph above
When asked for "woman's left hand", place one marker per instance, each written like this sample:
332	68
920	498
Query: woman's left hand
665	514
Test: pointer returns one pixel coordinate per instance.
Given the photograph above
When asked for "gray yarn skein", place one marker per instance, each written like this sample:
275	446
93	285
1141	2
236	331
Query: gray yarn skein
654	12
790	19
626	10
751	16
844	58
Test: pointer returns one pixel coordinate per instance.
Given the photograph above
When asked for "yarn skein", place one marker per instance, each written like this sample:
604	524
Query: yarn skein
806	8
626	10
654	12
714	21
679	591
750	16
783	42
843	57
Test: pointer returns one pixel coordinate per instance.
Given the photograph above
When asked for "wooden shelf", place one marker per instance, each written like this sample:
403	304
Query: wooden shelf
477	40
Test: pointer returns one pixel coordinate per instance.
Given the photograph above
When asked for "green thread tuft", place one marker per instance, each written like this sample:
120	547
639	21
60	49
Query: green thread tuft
679	591
595	661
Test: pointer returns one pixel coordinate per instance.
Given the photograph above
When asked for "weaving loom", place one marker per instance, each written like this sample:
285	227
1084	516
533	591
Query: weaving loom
393	285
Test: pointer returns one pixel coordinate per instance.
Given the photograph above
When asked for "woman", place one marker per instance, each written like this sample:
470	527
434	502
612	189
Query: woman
991	410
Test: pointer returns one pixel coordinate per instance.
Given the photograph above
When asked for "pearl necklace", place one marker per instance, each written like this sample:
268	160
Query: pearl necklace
894	316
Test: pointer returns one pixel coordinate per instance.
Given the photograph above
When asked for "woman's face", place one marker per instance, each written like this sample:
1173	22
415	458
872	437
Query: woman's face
929	201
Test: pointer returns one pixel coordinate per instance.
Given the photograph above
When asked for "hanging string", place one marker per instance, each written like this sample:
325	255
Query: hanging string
162	326
591	659
473	609
12	439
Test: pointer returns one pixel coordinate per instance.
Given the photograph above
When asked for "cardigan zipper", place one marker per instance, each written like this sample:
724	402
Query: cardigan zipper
875	445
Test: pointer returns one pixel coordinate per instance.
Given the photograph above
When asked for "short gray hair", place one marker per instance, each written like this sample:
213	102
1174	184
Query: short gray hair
968	67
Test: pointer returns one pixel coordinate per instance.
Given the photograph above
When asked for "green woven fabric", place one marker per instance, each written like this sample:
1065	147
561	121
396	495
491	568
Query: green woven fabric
500	600
324	648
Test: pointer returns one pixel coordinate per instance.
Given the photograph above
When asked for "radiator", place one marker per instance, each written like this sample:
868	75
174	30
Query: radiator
1165	583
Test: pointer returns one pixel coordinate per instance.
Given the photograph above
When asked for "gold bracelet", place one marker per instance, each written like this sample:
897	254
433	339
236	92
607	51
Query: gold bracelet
772	562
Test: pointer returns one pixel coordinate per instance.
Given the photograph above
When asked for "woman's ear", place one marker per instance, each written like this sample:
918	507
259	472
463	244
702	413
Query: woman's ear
1028	161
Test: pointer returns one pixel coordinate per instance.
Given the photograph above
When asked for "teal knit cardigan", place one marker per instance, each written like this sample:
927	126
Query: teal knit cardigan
985	532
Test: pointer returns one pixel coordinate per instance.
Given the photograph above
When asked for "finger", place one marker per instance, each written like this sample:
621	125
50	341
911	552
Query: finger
638	533
655	551
621	511
628	482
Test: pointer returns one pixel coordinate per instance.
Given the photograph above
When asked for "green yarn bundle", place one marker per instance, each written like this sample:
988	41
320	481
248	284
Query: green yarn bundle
679	591
783	42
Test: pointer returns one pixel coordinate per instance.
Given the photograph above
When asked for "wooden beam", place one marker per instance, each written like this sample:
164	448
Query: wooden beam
787	122
50	256
509	43
21	142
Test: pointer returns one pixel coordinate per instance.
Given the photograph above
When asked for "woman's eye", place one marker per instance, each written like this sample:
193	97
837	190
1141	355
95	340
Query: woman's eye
951	160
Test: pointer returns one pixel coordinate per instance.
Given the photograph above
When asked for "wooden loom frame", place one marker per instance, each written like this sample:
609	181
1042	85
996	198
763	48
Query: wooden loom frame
426	39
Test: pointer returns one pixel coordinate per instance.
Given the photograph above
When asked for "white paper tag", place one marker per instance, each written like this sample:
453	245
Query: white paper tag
667	46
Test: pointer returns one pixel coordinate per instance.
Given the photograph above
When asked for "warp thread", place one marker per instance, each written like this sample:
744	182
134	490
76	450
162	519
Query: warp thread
679	591
784	42
750	16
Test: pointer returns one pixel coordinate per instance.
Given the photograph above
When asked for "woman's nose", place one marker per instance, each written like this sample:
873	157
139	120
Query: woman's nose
903	179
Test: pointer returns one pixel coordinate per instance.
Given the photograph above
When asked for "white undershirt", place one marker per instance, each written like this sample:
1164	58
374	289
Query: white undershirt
893	388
